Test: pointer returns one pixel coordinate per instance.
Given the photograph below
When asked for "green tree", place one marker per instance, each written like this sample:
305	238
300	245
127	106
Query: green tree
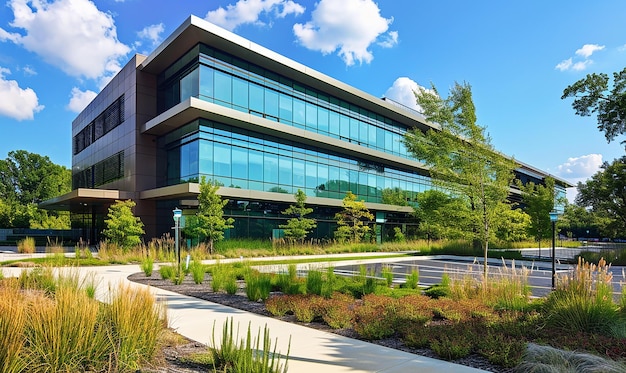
592	95
578	221
25	180
395	196
514	227
605	193
209	223
351	220
441	216
299	226
461	158
122	226
538	201
31	178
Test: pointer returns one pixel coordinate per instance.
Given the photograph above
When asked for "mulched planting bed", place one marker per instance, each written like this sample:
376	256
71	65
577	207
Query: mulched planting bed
240	301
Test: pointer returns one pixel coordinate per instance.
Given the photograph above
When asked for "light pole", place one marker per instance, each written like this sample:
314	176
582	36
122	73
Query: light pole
178	213
554	216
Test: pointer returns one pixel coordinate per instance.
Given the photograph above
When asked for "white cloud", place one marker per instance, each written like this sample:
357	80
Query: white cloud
347	26
15	102
588	49
80	99
249	11
403	91
579	169
29	70
585	52
152	33
72	35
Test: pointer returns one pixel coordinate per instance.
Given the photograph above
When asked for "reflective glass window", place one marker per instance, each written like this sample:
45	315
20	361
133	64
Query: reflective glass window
285	168
256	98
240	163
322	119
286	110
189	85
270	168
222	164
206	157
311	116
240	93
311	175
271	103
255	171
223	87
298	173
299	111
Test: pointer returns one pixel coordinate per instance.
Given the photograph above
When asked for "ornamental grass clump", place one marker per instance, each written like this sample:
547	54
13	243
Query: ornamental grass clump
13	320
314	282
258	285
250	355
583	300
26	246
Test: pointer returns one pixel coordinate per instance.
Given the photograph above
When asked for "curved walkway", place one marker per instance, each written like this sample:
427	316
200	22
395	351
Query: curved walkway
310	350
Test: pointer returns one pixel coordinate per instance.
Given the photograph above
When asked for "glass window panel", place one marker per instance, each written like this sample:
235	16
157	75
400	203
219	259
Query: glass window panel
311	175
334	178
206	81
271	102
363	133
298	173
372	135
240	163
255	171
173	166
270	168
189	85
222	164
256	98
311	116
334	123
388	142
298	111
206	157
285	168
223	87
286	111
363	189
322	175
240	92
344	126
322	119
380	138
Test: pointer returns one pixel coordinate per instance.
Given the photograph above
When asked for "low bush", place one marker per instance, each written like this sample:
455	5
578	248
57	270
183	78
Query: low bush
375	318
258	285
412	279
147	266
278	305
337	311
167	272
314	282
198	271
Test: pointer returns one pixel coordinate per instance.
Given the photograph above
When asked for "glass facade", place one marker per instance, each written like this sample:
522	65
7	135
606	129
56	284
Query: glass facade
213	76
244	159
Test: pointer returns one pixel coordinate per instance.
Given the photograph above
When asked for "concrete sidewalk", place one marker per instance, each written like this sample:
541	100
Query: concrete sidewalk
311	350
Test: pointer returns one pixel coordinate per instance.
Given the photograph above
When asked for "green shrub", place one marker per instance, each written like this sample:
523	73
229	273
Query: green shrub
277	305
197	270
305	308
337	311
314	282
375	318
230	285
412	279
167	272
147	266
452	342
387	274
258	285
501	349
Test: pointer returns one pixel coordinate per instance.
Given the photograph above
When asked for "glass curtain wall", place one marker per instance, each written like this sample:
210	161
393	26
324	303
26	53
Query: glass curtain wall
217	77
238	158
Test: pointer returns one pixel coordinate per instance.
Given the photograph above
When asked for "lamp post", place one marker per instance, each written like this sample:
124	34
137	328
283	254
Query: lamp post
178	213
554	216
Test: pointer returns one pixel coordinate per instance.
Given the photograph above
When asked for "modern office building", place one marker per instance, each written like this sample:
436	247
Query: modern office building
209	103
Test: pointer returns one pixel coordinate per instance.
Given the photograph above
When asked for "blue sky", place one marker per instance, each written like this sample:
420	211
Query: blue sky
55	55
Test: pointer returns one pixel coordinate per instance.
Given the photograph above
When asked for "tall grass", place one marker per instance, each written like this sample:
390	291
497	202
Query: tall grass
12	323
26	246
136	323
548	359
249	355
61	328
258	285
583	301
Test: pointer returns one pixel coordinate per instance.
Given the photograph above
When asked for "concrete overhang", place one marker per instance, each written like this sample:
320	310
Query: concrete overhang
83	197
194	108
195	30
191	190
